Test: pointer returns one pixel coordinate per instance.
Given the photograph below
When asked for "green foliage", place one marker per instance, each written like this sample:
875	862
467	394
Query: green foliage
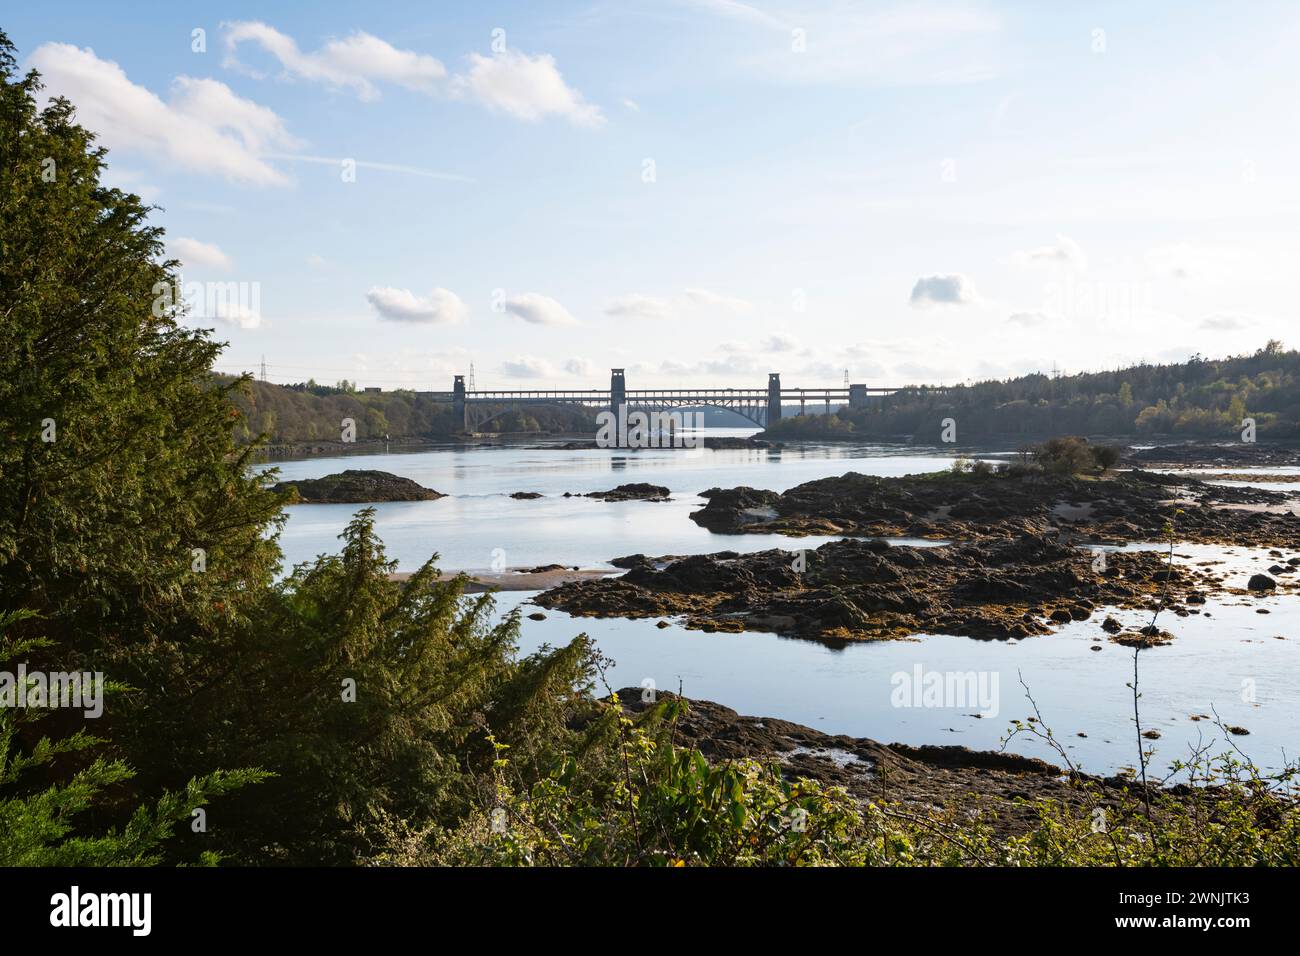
654	805
42	822
310	412
1199	398
368	698
1072	455
289	414
117	458
834	427
98	527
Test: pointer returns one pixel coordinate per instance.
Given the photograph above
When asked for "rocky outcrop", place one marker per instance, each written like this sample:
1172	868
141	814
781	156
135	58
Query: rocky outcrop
1006	784
1130	506
861	590
1203	454
638	491
355	487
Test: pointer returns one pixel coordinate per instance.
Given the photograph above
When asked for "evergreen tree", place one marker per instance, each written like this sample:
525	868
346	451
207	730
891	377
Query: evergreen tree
127	514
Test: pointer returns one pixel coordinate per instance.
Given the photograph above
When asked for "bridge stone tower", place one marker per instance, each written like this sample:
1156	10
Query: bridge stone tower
458	402
617	391
773	398
858	396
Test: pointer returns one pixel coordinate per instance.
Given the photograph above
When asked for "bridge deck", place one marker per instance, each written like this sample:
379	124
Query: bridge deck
760	405
704	396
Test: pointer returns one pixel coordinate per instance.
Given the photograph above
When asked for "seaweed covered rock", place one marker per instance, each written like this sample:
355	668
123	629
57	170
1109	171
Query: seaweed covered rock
855	590
356	487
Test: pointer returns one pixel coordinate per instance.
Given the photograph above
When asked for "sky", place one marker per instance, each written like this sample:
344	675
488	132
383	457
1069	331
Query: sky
702	191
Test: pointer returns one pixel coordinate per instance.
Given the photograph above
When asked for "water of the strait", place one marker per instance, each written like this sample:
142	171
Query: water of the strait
1232	659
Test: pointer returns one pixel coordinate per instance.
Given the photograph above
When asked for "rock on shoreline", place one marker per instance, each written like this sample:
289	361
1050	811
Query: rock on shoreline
1210	454
354	487
862	590
1130	506
944	776
637	491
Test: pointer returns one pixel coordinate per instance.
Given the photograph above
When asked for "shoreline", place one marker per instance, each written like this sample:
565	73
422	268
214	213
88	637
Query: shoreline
481	582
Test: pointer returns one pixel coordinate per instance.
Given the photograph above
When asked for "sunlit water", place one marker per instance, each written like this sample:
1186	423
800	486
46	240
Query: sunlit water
1234	660
479	525
1259	476
1216	663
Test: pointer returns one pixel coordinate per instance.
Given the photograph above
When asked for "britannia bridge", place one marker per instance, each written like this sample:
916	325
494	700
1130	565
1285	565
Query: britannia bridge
762	406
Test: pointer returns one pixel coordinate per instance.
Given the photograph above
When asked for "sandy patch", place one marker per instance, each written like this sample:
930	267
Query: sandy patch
481	581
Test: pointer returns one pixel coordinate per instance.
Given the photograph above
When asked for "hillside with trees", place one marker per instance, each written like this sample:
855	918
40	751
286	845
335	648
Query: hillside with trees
308	412
1200	398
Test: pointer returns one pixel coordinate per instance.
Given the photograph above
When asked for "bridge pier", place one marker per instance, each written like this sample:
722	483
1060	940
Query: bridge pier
858	396
773	398
617	390
458	403
617	400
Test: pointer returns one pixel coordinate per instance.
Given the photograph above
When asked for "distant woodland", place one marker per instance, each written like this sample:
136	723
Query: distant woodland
309	411
1200	398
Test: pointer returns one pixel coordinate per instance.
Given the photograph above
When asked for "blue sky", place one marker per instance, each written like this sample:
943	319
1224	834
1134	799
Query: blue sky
703	191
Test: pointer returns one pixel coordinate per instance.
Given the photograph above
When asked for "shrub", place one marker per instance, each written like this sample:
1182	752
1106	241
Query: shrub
1073	456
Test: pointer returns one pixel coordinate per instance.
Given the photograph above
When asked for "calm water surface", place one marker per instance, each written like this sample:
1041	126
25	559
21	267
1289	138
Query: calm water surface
478	518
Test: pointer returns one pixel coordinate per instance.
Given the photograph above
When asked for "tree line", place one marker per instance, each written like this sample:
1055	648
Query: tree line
308	411
1200	398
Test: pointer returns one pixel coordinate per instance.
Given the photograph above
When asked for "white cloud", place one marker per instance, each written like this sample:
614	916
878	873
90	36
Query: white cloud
944	290
780	343
339	161
236	314
734	364
196	254
637	306
1185	260
580	366
631	105
204	127
539	310
692	303
128	180
527	366
357	62
713	300
1222	322
439	307
922	373
1064	252
1029	319
525	87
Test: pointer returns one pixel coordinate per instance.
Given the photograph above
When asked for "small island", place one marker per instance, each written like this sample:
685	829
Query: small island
354	487
637	491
